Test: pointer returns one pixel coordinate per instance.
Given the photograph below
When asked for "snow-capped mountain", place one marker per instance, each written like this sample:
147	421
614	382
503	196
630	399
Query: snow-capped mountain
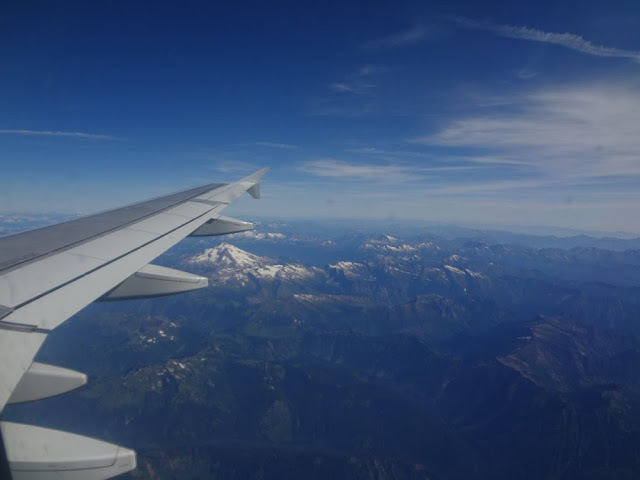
451	340
227	263
352	270
226	255
389	245
253	235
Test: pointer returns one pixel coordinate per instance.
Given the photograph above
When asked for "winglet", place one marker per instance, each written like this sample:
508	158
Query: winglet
255	191
254	178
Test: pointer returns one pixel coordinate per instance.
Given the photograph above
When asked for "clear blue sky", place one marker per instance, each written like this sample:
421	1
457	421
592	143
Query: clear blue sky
516	113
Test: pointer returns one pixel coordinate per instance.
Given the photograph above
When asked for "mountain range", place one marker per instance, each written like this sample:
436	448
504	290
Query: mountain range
366	355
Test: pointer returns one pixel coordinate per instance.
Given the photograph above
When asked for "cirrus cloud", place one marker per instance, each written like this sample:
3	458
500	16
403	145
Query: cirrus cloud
405	38
579	131
330	167
566	40
56	133
282	146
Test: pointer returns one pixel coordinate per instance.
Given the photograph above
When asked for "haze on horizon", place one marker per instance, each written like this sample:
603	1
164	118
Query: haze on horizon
455	112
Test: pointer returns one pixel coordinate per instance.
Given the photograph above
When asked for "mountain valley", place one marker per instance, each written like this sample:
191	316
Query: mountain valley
365	356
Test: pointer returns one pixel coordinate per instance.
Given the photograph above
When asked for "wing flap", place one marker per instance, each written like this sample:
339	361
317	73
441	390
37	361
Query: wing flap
44	453
222	226
43	381
155	281
17	349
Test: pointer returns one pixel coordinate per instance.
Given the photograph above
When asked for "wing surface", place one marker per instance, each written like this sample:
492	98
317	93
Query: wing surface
49	274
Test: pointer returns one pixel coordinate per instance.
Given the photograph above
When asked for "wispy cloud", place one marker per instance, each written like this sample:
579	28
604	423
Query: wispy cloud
390	153
588	131
526	74
400	39
283	146
330	167
359	82
355	87
234	166
567	40
353	95
54	133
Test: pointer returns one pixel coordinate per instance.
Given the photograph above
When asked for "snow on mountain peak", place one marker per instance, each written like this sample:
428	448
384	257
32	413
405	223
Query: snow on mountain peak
351	270
231	263
227	255
455	270
253	235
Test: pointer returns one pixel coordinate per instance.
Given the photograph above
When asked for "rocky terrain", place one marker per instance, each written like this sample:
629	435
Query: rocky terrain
362	355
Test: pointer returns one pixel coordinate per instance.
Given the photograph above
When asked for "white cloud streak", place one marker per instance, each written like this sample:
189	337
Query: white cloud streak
390	153
526	74
330	167
282	146
572	132
54	133
352	96
399	39
234	166
566	40
358	82
355	87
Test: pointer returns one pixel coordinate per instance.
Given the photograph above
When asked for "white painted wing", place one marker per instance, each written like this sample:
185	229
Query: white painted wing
49	274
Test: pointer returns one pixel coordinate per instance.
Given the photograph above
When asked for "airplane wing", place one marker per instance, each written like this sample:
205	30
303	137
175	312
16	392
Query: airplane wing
49	274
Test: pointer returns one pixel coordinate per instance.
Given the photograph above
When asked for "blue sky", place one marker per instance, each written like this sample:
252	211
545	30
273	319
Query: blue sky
489	113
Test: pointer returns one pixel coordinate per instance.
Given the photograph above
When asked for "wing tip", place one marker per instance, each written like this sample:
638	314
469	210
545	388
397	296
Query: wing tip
255	178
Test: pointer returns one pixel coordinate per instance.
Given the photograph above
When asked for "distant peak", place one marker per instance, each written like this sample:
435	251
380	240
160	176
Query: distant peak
227	254
390	239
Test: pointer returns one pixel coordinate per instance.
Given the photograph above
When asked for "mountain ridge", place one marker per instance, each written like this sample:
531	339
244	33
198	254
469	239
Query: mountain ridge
462	361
